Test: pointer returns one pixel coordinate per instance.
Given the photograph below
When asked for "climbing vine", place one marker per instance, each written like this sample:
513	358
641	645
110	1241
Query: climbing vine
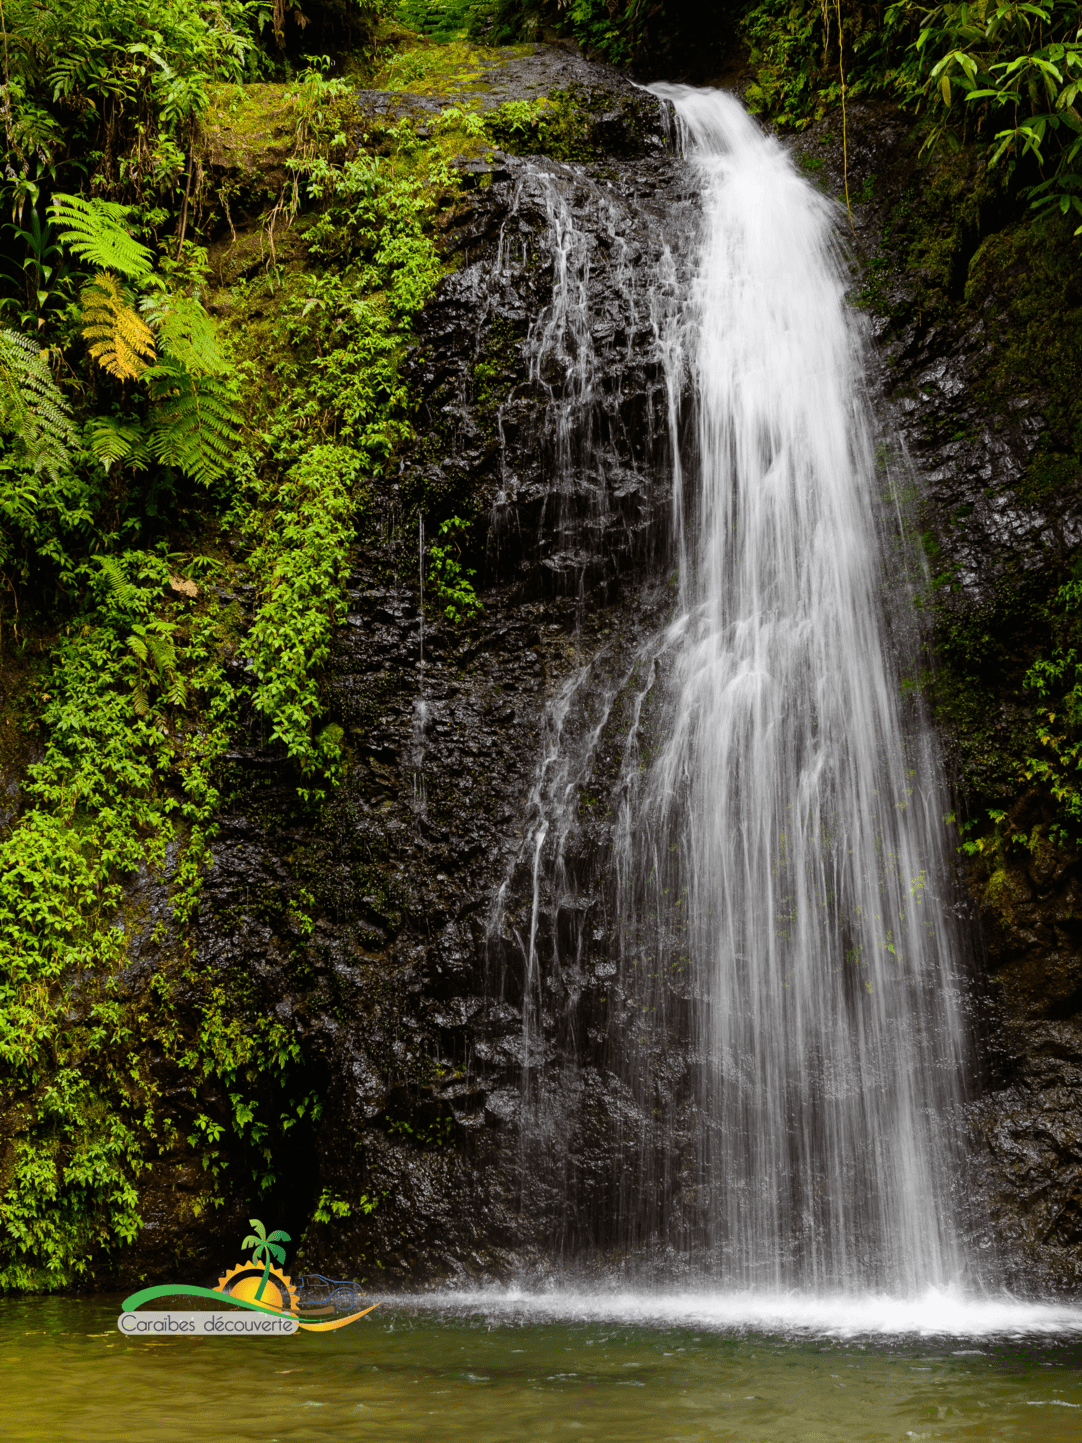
301	562
126	775
450	580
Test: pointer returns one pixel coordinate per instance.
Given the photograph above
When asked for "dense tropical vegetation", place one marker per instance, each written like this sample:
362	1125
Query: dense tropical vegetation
154	442
137	431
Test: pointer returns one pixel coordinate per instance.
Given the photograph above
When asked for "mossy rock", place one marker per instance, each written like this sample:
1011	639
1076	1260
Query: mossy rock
249	135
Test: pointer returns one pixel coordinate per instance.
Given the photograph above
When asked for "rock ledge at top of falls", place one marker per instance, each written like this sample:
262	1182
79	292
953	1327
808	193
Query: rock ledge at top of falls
249	138
515	76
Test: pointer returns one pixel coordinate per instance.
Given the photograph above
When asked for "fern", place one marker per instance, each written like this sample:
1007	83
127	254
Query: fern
153	646
120	591
122	341
195	422
162	653
187	335
31	406
112	441
96	231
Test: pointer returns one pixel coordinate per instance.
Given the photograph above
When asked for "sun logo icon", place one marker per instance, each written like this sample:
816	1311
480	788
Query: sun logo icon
253	1283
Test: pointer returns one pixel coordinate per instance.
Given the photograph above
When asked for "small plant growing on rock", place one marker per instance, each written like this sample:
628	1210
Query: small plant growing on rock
451	582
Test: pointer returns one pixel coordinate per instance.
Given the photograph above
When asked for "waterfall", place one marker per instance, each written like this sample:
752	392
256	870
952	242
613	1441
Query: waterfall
778	880
787	842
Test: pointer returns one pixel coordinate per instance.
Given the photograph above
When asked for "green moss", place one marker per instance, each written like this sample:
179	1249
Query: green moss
255	141
579	123
240	115
1046	475
932	231
1017	288
22	680
1027	276
424	68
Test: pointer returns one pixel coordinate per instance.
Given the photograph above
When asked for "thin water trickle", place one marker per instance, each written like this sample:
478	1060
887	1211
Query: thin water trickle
420	704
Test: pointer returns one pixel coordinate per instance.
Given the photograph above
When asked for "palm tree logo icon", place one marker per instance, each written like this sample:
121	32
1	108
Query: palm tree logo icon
265	1248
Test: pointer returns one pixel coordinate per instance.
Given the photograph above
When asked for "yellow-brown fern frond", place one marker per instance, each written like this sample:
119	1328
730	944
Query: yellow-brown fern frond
121	341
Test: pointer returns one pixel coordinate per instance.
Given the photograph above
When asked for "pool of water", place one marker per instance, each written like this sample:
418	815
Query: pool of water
617	1369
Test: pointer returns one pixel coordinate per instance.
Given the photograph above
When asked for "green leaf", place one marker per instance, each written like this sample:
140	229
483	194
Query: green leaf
96	230
112	441
189	337
195	421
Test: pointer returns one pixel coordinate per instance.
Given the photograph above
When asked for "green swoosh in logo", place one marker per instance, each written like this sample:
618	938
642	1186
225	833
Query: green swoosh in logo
184	1290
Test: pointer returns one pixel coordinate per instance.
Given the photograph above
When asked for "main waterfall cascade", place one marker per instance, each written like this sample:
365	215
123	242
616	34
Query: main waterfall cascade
777	876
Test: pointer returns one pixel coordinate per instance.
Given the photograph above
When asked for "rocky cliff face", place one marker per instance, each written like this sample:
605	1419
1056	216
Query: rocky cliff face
395	933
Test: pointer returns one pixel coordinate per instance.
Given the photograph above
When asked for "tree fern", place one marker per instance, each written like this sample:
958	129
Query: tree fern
123	343
187	335
96	230
195	422
112	441
31	407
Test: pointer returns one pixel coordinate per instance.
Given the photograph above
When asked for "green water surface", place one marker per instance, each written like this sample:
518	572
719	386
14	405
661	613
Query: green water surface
442	1377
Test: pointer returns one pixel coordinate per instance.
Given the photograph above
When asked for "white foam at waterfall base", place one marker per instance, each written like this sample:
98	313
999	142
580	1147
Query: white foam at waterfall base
938	1313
